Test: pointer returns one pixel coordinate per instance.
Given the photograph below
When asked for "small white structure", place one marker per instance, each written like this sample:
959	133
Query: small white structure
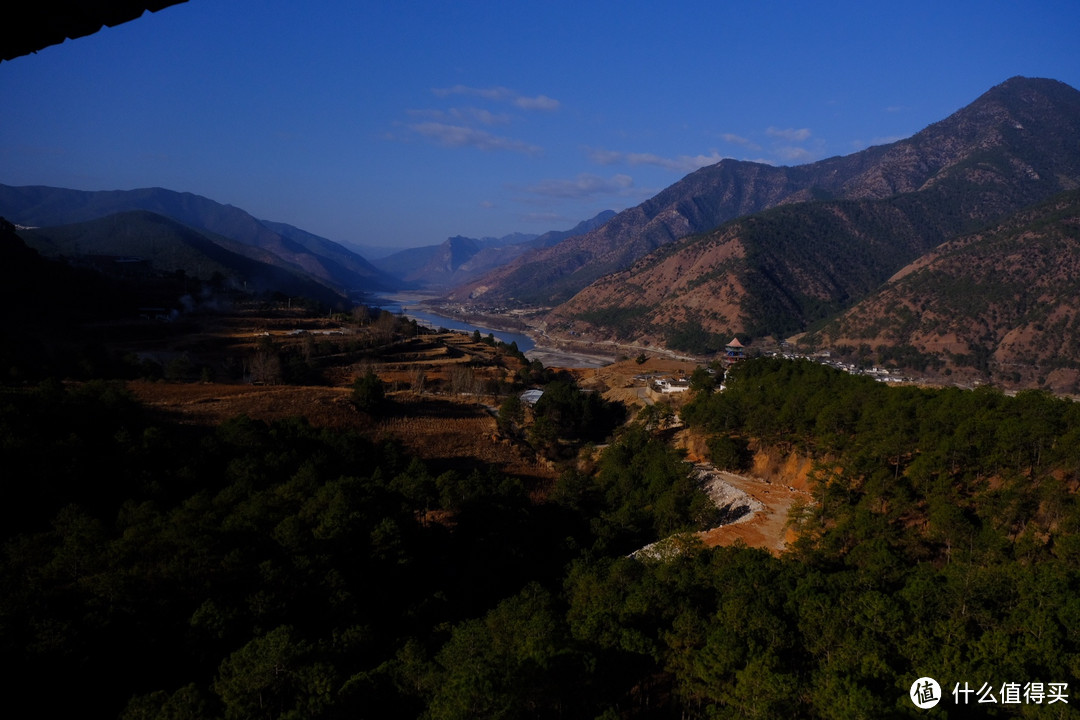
666	385
529	397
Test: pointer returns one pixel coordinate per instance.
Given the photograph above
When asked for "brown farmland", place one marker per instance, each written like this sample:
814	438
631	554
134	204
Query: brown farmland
442	396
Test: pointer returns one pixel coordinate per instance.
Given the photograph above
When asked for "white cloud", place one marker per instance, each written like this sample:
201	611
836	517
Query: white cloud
740	140
604	157
793	154
583	186
680	163
540	102
461	136
493	93
690	163
501	94
789	146
789	134
484	117
464	126
463	115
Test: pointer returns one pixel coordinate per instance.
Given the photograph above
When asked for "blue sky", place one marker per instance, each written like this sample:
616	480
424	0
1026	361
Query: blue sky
404	123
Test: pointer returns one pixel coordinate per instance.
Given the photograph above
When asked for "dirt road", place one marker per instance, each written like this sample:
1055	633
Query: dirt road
765	526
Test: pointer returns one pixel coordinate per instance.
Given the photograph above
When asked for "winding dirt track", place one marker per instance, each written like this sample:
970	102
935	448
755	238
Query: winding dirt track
766	528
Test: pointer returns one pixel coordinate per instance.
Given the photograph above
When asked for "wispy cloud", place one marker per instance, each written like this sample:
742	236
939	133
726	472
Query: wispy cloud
680	163
790	134
789	146
585	185
492	93
462	136
501	94
540	102
465	126
605	157
463	115
793	154
741	141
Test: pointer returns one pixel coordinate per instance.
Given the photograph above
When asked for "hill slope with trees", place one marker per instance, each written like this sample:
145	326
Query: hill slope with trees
296	571
784	270
999	305
1018	131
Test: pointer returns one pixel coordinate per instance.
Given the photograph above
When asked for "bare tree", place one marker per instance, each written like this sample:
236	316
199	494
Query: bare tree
418	378
463	380
383	328
265	366
307	348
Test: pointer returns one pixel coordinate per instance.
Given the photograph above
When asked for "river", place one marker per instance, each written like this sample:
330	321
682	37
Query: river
409	305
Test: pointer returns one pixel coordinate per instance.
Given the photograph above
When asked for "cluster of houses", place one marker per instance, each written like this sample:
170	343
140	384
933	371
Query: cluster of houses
824	357
734	351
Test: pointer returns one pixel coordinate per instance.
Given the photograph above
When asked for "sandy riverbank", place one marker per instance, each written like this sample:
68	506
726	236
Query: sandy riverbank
553	357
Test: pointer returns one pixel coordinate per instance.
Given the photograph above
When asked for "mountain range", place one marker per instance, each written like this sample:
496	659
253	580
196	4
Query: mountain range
139	241
460	259
768	253
224	239
284	250
1022	133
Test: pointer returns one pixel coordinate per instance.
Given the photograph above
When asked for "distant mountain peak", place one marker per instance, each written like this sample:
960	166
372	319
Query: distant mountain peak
460	258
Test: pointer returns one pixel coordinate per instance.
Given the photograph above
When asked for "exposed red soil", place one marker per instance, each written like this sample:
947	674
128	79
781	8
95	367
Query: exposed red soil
776	480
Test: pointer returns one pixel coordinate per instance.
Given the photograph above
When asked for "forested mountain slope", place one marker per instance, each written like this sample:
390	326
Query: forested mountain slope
298	571
1021	128
778	272
1002	304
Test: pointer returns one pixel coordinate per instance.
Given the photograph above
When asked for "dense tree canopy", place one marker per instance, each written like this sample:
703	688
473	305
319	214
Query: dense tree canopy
284	571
